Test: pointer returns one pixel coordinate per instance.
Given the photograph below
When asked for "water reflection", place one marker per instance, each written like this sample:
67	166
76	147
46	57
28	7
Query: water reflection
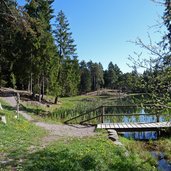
137	114
163	164
141	135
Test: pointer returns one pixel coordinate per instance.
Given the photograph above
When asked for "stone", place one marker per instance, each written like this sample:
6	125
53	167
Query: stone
118	143
111	130
114	137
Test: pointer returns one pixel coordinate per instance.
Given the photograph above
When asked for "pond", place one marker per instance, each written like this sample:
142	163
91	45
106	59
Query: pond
163	164
136	113
145	116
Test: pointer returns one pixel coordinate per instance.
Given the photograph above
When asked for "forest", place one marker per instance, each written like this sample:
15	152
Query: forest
41	57
52	115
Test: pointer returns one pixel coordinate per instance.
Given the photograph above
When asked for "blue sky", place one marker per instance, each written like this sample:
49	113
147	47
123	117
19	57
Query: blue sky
102	28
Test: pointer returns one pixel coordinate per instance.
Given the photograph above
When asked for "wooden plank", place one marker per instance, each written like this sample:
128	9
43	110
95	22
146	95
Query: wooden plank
132	126
148	125
110	125
154	125
99	126
103	126
168	124
115	125
107	126
143	125
120	125
137	125
128	125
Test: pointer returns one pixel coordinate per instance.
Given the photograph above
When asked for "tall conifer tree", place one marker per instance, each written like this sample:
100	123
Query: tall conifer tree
69	68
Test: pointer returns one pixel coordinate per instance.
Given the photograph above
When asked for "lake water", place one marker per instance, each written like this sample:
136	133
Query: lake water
163	164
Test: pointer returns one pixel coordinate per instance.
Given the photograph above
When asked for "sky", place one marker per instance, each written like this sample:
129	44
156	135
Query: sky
102	29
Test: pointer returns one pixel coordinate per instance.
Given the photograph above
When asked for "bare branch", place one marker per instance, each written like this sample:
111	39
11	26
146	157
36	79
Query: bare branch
158	2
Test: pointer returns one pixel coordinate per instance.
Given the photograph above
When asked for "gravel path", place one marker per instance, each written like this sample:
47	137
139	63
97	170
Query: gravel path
55	131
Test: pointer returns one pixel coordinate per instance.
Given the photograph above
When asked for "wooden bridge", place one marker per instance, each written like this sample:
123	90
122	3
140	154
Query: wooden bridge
134	127
100	117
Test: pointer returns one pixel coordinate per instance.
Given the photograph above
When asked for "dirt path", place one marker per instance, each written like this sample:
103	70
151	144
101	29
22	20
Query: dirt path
55	131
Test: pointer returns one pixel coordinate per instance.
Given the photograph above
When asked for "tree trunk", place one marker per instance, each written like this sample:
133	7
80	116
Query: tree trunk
43	87
28	86
31	83
40	97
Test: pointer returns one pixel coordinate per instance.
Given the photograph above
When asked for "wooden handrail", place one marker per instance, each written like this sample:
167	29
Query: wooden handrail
165	106
157	115
90	119
136	114
86	113
125	114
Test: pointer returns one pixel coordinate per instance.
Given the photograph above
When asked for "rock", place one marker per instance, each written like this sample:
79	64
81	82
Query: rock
113	137
118	143
111	130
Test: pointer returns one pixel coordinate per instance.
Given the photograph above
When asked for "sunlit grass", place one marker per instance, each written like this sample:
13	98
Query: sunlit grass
96	153
18	135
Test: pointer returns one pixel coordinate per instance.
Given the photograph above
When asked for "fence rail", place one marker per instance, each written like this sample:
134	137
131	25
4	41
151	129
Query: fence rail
102	109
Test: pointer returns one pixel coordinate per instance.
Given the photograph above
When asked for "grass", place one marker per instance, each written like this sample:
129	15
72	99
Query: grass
68	107
20	141
95	153
18	136
162	145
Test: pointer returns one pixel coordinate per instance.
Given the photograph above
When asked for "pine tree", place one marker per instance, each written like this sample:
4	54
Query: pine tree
8	48
112	76
85	75
43	50
96	70
68	58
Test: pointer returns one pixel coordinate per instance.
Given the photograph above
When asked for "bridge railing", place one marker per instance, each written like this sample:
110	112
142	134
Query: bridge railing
99	115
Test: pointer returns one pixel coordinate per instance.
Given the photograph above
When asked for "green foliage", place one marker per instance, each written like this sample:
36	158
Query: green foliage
85	74
96	70
112	76
68	76
13	80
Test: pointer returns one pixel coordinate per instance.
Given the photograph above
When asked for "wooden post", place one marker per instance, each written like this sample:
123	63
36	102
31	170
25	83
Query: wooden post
18	104
103	112
158	117
1	107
